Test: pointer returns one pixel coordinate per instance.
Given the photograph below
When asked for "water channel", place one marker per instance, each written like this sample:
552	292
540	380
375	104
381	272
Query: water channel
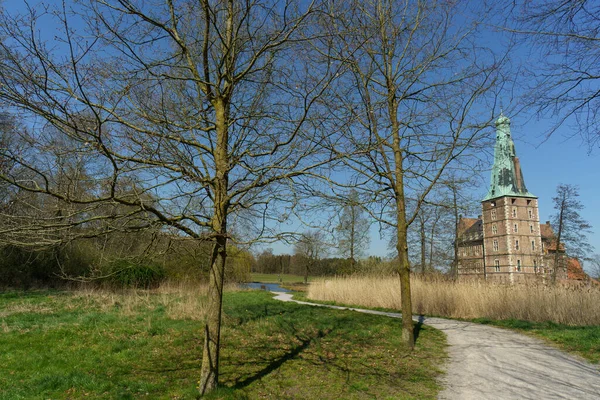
271	287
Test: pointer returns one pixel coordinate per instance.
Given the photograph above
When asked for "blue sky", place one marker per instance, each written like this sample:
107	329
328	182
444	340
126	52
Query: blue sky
562	158
546	163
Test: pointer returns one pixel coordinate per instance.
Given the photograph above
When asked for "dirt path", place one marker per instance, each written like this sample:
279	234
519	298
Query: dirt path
493	363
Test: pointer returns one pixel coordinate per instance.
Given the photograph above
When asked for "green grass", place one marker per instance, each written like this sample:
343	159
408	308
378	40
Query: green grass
56	345
581	340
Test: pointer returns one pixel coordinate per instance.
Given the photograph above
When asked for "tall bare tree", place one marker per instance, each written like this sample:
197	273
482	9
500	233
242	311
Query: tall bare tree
208	107
570	227
311	247
353	229
565	82
417	85
594	266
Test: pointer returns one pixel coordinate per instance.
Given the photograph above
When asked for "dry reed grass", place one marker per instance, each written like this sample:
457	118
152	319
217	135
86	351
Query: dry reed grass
180	300
472	299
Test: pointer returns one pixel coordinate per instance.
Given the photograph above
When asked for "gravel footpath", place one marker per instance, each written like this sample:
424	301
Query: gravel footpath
493	363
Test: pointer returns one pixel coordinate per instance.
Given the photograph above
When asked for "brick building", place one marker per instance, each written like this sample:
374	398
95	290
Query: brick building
507	241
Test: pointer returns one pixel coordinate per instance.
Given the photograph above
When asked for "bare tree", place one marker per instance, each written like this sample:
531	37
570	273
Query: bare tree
311	247
353	229
206	107
461	203
417	79
571	229
566	80
594	265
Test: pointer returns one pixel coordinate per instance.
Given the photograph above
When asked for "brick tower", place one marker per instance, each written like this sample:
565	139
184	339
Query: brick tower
512	244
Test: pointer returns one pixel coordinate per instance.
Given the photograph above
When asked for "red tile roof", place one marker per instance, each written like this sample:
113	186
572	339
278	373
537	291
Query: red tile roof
546	231
465	223
574	270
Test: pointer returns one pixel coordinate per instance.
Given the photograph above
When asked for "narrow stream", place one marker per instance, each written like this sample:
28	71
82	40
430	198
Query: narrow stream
271	287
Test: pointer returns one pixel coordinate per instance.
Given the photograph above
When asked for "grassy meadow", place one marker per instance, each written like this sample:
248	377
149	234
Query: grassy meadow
566	317
147	344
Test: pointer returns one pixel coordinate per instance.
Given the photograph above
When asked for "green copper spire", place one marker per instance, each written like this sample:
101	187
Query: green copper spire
507	177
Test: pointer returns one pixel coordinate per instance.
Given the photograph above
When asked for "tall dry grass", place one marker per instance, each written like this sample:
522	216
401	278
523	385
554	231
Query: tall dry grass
473	299
179	300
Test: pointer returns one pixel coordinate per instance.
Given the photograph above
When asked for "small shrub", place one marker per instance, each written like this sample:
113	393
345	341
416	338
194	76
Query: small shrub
135	274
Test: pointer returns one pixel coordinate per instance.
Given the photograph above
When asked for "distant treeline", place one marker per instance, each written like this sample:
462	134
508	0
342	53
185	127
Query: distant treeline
116	260
269	263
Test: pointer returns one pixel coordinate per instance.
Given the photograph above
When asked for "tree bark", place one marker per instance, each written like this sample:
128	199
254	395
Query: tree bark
423	244
454	271
209	373
408	337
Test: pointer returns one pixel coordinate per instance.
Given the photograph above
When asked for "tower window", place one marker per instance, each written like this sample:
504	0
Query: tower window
531	228
493	203
535	266
516	228
528	202
533	245
512	201
530	214
493	214
495	245
519	265
494	229
497	265
514	212
516	245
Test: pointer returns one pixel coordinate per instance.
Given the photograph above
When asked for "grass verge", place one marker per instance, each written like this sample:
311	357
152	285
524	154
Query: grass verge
66	345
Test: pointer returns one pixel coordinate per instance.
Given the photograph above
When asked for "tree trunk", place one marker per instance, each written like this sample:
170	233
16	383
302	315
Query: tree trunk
352	237
306	274
454	271
423	244
209	373
408	337
560	228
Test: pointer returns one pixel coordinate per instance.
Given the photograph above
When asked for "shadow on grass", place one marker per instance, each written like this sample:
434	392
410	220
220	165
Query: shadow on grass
417	327
275	364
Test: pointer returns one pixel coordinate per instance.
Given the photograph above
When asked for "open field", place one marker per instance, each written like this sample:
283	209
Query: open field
147	344
566	317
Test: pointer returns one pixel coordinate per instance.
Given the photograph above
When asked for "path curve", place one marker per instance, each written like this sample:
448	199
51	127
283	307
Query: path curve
493	363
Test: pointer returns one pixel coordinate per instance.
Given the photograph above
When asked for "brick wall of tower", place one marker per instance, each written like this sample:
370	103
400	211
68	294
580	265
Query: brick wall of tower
512	239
